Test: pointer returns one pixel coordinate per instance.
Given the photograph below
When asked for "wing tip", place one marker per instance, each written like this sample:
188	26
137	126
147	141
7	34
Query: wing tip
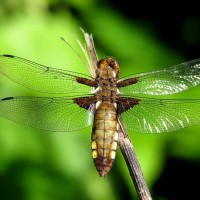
7	98
7	55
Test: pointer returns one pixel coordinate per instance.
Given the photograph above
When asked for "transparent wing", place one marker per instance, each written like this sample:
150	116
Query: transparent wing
41	78
162	115
53	114
165	81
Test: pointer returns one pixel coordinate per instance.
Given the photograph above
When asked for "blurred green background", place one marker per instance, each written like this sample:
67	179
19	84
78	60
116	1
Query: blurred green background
37	165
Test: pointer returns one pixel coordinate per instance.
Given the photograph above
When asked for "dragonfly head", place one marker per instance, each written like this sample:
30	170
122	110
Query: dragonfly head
108	68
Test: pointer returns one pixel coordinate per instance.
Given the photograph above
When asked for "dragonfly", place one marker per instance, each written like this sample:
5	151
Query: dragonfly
98	99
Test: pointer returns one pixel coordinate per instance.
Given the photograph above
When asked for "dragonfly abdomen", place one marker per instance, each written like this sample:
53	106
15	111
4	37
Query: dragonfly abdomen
104	137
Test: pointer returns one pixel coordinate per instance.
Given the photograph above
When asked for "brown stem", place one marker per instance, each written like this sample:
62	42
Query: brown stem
133	164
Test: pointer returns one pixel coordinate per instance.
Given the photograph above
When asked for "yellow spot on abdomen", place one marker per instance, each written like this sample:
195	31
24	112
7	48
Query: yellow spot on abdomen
115	136
94	145
114	145
112	154
94	154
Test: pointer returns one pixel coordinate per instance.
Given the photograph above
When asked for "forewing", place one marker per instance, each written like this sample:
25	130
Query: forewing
161	115
165	81
41	78
53	114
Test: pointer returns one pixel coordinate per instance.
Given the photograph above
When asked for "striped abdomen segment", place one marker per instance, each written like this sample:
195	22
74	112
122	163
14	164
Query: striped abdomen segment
104	137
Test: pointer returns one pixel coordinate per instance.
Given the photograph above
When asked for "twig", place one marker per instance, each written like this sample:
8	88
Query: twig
132	163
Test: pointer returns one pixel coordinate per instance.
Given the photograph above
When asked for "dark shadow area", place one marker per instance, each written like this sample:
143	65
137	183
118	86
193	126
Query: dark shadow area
171	24
179	180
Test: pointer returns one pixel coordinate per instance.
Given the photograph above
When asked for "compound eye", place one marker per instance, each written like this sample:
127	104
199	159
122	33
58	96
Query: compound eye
115	65
102	64
108	61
